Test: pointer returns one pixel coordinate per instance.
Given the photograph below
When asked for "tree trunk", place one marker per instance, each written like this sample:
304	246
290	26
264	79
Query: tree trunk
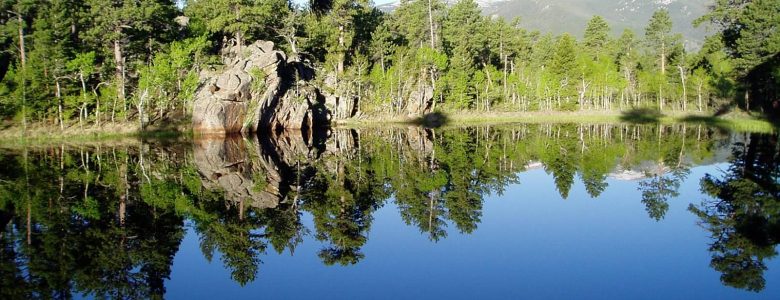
698	91
382	60
685	92
430	24
239	37
119	61
340	67
488	85
23	56
59	104
140	108
22	52
239	42
291	41
663	58
360	91
83	95
97	110
582	93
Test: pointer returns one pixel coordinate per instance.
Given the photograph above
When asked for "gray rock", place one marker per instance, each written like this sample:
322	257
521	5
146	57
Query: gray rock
234	101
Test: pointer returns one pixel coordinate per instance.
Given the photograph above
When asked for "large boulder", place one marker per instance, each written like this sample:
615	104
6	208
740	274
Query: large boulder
420	101
258	89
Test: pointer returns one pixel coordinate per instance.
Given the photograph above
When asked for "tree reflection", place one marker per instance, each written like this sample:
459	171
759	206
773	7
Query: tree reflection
65	241
743	215
106	221
665	178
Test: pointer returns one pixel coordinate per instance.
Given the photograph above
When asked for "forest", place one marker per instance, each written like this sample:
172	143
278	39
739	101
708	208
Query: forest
74	63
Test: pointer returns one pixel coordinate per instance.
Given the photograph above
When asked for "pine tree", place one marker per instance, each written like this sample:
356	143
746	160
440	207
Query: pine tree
660	41
751	39
596	35
124	29
240	20
564	66
464	41
658	37
54	39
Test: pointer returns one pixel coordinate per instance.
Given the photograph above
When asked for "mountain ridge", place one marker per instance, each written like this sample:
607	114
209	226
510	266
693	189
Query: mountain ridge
559	16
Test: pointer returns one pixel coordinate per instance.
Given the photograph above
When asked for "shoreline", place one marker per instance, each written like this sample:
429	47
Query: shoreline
733	121
48	133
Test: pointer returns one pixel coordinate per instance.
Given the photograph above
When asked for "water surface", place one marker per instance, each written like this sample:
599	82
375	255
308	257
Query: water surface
512	211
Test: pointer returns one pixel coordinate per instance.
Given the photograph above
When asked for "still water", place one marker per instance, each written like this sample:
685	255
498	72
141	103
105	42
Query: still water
513	211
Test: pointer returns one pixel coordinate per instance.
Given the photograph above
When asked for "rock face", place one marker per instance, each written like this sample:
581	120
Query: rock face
420	101
258	89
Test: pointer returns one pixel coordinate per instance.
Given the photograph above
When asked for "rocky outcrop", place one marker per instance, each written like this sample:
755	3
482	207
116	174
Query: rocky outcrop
420	101
258	89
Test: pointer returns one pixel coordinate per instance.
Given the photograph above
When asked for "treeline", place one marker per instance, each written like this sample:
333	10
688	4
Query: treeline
96	60
103	60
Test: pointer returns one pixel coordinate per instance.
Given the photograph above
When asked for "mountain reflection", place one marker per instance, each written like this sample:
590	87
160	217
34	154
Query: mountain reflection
107	220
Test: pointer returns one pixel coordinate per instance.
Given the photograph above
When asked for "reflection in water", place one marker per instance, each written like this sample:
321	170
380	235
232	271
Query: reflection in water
108	220
744	215
665	178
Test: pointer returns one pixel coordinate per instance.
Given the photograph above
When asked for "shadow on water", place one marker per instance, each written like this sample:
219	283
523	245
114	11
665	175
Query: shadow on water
711	121
166	137
641	116
431	120
729	125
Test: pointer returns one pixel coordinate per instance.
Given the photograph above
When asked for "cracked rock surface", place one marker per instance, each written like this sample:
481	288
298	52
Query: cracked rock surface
258	89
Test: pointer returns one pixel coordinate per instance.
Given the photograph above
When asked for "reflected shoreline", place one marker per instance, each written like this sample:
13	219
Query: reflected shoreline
245	195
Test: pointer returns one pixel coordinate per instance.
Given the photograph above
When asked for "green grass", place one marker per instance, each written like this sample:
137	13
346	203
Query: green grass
47	135
735	124
742	123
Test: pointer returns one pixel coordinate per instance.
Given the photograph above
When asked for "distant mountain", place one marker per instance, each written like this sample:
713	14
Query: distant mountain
558	16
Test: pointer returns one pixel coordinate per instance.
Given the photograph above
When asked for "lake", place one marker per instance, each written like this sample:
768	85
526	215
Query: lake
540	211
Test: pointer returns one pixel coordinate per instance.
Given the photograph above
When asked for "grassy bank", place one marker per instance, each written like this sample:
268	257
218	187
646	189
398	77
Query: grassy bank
49	134
38	134
732	121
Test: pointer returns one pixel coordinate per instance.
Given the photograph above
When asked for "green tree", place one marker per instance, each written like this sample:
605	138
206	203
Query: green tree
564	67
123	29
241	20
464	42
596	35
660	41
83	65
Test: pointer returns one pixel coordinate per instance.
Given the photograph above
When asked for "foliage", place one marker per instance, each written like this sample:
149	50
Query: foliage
151	51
